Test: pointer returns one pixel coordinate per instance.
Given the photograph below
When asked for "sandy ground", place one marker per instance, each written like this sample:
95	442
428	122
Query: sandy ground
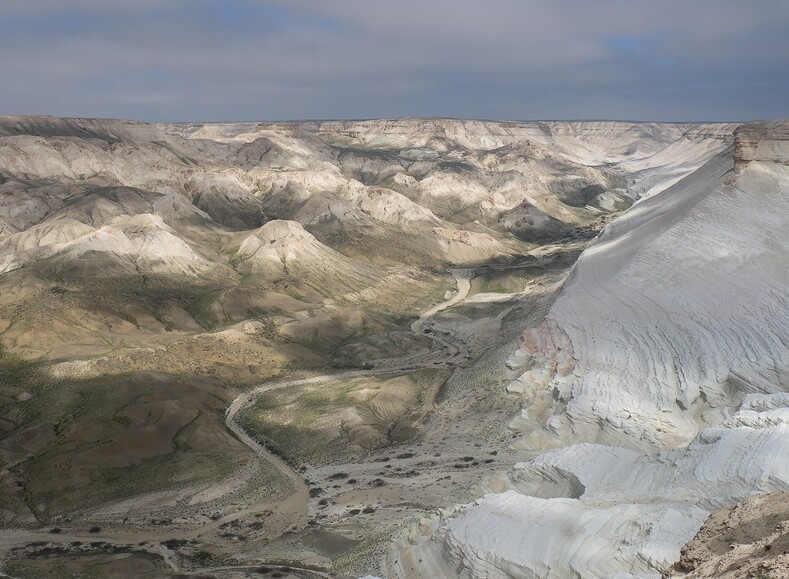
750	539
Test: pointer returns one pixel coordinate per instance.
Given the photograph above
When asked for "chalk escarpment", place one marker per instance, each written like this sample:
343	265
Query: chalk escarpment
660	376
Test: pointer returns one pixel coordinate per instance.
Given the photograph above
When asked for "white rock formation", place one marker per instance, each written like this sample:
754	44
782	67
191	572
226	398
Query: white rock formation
281	248
676	312
660	376
142	243
591	510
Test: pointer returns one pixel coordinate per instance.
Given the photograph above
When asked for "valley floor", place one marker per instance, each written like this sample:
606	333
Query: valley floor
343	518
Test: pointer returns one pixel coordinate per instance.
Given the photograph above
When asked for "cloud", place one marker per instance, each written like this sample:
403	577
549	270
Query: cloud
278	59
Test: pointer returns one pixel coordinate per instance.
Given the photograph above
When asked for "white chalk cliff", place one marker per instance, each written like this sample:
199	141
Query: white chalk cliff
659	378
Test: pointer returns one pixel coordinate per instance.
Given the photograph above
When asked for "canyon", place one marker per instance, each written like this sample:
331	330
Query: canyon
395	348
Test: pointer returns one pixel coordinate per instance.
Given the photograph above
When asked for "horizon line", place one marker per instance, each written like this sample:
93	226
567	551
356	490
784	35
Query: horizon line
396	118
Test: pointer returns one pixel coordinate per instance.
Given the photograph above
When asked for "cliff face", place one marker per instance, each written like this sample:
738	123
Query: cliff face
766	141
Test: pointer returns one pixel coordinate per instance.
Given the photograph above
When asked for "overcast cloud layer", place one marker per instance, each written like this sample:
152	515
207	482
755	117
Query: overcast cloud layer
177	60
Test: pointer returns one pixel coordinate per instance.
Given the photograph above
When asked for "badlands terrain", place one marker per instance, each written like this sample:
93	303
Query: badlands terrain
409	348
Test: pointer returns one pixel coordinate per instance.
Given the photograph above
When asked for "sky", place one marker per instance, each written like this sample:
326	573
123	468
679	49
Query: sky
212	60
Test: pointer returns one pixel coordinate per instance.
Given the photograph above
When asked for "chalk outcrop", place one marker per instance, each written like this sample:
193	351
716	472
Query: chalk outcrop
660	376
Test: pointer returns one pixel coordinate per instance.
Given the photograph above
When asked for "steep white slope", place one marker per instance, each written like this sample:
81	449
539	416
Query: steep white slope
672	331
679	309
743	454
512	535
39	242
654	173
123	245
129	230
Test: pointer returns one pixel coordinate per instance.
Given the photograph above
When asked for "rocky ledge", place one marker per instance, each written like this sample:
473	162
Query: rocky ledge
764	141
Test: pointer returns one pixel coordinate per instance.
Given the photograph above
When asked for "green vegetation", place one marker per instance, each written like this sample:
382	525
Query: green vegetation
85	561
22	375
200	308
342	418
158	296
506	281
82	442
235	260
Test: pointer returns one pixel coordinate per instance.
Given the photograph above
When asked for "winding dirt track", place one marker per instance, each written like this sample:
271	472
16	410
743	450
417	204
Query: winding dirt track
298	500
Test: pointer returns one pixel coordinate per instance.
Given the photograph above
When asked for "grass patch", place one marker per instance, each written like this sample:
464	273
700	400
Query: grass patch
83	450
342	419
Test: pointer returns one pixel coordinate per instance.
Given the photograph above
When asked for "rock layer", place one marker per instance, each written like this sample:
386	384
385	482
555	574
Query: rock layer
767	142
